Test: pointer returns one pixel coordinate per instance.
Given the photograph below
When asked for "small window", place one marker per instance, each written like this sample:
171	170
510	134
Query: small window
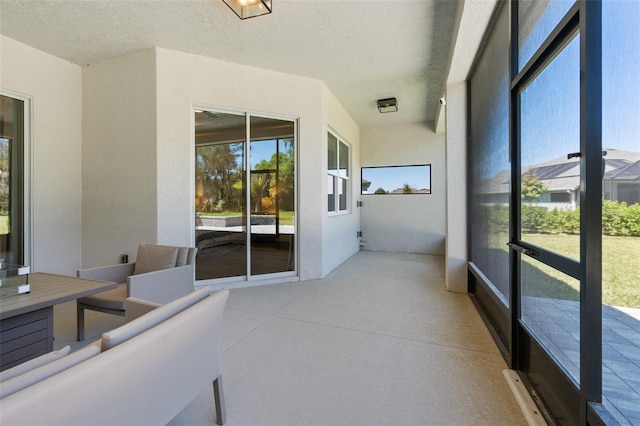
396	180
560	197
338	166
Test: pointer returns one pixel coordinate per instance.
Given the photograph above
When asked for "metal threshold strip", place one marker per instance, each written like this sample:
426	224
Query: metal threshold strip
529	408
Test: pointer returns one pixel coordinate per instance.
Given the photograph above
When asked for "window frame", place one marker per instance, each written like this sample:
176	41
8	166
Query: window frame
398	166
338	180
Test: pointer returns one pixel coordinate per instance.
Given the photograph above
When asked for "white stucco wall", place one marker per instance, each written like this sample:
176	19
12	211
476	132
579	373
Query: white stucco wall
113	155
184	80
456	161
410	224
340	239
118	158
55	87
139	124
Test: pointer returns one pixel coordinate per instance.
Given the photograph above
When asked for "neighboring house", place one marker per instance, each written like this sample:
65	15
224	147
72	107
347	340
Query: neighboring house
622	180
561	179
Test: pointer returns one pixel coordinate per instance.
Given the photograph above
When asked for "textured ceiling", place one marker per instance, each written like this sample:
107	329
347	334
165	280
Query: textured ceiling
363	50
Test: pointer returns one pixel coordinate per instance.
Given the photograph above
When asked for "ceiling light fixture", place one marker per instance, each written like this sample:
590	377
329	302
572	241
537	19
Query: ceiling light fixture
387	105
249	8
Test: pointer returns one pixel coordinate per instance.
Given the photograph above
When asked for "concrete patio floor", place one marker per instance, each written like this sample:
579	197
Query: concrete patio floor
378	341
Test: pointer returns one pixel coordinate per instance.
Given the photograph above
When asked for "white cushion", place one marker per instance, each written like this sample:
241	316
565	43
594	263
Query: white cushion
183	256
110	299
47	370
151	319
154	258
33	364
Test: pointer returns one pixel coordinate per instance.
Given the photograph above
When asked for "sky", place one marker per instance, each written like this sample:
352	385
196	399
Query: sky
390	178
261	150
621	75
551	104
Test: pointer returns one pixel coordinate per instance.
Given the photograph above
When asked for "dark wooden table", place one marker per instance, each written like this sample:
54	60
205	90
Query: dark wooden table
26	320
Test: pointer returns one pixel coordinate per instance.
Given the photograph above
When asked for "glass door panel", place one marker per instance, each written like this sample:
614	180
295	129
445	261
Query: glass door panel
550	156
549	243
550	306
11	180
221	215
272	195
621	193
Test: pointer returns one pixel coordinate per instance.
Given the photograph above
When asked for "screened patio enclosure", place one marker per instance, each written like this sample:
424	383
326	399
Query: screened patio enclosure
554	152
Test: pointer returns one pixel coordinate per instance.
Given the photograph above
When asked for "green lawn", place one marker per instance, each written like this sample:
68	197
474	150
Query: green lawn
222	214
620	269
286	217
4	224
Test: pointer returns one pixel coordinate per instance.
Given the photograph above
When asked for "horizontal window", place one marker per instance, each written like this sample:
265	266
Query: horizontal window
396	180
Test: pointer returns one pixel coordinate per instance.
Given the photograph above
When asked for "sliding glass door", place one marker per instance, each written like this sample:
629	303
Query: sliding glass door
244	196
272	195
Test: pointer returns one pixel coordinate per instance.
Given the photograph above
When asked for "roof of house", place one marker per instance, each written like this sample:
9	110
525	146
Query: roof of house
561	174
629	172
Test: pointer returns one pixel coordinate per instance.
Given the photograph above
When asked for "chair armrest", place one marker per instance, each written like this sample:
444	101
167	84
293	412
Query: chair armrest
134	308
116	273
162	286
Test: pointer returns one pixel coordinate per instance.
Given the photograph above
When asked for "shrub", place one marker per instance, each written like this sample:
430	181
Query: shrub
562	221
498	218
633	220
534	218
612	213
618	218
